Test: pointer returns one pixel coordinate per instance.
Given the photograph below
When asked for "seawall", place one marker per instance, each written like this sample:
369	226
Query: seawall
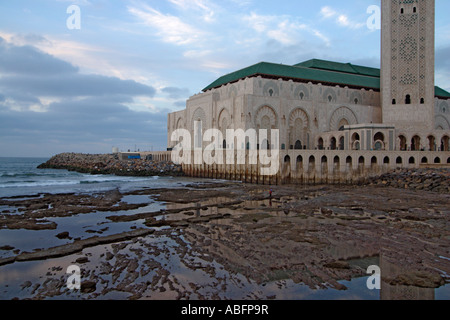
413	170
321	166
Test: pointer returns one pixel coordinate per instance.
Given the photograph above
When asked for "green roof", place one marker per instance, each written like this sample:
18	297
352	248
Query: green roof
441	93
314	70
298	73
340	67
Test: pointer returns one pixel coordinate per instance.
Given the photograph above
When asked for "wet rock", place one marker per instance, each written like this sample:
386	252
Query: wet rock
63	235
337	265
420	279
88	286
26	284
82	260
6	248
76	247
109	256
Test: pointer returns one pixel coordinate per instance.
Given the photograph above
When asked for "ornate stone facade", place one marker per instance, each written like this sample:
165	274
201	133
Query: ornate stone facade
407	63
405	108
327	106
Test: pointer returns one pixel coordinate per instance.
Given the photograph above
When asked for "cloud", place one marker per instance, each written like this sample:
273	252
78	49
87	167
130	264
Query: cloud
47	102
28	70
169	28
89	125
443	67
341	19
28	60
75	85
442	61
202	6
91	58
176	93
327	12
282	29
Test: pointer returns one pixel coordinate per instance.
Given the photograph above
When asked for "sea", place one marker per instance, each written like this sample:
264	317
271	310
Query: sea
21	177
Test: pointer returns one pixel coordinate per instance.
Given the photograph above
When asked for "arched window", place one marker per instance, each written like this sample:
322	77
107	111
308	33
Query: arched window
394	101
324	164
373	162
302	95
312	164
422	100
341	143
299	163
403	144
408	99
336	163
415	143
414	9
333	144
271	92
320	144
432	143
402	11
361	163
445	145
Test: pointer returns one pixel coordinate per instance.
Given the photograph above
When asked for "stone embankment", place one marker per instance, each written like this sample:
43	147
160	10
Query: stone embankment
111	164
437	180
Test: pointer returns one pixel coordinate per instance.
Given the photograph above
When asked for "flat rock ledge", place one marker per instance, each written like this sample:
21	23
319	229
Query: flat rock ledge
76	246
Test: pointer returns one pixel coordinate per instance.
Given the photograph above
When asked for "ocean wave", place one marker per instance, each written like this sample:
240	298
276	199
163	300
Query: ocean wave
82	180
31	175
25	184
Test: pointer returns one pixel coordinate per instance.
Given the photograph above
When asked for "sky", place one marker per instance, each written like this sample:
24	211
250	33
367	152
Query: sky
89	75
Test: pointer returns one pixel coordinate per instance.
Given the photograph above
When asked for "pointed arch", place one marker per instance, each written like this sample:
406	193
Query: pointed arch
298	131
341	114
441	123
269	112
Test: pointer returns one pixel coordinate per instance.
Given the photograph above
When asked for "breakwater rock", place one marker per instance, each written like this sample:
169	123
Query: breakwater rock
437	180
111	164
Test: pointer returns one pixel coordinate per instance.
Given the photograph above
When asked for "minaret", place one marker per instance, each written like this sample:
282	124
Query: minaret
407	63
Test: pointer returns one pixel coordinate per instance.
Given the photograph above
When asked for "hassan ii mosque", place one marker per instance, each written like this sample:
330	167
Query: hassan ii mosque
334	117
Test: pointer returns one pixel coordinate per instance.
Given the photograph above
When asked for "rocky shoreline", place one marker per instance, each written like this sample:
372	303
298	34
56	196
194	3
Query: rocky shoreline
234	241
111	164
426	179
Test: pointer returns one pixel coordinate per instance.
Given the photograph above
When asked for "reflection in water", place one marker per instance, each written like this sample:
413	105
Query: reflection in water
259	249
390	291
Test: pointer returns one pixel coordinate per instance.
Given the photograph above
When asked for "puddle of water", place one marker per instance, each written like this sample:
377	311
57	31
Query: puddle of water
136	199
217	282
210	277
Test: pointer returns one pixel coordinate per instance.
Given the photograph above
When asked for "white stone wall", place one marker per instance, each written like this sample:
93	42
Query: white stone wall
287	104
